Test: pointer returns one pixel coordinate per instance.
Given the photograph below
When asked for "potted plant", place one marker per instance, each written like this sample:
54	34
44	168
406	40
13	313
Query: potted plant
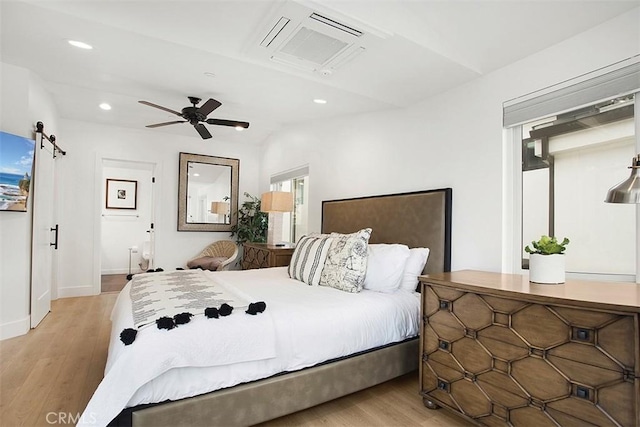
252	223
546	260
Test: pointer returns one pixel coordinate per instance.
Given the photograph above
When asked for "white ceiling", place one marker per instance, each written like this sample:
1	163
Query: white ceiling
159	51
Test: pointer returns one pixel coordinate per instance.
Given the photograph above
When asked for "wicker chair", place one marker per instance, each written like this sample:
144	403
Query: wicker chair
221	248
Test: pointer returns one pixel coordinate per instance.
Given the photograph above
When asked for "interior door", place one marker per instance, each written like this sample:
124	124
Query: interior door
44	231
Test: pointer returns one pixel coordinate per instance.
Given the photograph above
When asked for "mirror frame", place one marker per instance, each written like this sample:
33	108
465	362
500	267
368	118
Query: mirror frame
185	158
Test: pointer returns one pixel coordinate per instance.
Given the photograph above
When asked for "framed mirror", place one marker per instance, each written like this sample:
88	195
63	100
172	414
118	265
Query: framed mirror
207	193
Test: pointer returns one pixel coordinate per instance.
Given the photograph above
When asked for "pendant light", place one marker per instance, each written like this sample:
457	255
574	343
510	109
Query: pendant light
628	191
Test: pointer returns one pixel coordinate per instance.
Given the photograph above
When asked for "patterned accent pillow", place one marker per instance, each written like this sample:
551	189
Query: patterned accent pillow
346	263
308	259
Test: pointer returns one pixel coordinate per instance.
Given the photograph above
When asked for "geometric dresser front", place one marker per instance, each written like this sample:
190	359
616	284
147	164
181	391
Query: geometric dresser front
504	352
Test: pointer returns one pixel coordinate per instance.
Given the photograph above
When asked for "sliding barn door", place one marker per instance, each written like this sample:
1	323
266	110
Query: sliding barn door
44	236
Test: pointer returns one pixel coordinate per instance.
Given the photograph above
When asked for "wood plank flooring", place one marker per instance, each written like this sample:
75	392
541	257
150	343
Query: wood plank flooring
112	282
48	375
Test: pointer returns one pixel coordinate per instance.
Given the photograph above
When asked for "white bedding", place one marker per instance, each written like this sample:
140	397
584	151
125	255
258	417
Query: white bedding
313	324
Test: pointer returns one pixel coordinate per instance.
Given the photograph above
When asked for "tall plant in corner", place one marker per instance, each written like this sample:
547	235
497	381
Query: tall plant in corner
546	260
252	223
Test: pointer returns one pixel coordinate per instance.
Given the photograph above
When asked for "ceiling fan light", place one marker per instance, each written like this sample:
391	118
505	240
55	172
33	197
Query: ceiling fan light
104	106
79	44
239	128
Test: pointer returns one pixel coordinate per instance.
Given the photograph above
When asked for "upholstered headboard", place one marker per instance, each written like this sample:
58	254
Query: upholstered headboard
419	219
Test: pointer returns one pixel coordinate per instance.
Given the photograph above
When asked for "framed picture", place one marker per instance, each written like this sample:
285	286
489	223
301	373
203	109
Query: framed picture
122	194
16	163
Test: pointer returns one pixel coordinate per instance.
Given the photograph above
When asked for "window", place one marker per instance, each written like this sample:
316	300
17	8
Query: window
569	161
565	146
294	224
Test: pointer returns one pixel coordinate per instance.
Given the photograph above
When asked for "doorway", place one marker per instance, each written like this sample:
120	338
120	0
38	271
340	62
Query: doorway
126	221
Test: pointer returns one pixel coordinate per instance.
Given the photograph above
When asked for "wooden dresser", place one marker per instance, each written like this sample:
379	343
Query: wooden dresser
506	352
261	255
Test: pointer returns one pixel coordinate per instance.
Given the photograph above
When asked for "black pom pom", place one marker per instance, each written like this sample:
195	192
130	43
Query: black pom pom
256	307
211	312
127	336
179	268
225	309
129	276
151	270
165	323
182	318
159	270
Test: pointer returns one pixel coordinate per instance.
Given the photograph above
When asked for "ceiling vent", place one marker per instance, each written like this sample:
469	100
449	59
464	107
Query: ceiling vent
315	43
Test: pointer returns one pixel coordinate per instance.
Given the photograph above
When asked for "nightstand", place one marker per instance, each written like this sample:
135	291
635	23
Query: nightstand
261	255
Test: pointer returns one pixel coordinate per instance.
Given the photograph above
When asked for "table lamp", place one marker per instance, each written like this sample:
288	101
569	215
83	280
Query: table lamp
275	203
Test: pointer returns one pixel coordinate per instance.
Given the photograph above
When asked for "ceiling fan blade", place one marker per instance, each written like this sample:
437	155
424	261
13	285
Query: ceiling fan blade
204	133
222	122
157	125
209	106
160	107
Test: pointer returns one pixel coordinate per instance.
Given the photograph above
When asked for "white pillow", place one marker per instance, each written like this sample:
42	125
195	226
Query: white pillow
413	268
346	263
308	259
385	265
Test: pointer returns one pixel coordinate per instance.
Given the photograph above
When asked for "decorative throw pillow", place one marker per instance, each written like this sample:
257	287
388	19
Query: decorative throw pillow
413	268
346	263
308	259
207	262
385	267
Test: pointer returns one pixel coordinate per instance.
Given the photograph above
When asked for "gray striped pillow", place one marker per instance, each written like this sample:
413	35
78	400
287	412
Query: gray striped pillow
308	259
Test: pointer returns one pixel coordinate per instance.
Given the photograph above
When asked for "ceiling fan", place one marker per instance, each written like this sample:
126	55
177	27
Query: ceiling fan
197	115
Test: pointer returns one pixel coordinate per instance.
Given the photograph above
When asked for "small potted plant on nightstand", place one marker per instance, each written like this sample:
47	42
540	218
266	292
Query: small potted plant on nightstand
546	260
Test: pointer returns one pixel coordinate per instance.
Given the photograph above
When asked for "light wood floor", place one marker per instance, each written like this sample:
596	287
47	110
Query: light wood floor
112	282
55	369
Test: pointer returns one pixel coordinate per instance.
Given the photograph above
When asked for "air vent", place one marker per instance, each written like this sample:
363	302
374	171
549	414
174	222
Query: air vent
305	40
336	24
312	46
275	31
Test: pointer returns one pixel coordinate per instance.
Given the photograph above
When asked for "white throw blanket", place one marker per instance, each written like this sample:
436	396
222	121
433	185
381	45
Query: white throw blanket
156	295
202	342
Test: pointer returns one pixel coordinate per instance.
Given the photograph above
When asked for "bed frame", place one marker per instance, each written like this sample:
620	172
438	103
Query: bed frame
418	219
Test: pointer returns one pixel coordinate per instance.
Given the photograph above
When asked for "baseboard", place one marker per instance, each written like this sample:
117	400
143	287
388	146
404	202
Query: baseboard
15	328
77	291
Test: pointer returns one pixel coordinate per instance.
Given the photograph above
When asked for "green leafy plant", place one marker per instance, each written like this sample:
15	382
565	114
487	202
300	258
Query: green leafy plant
252	224
547	246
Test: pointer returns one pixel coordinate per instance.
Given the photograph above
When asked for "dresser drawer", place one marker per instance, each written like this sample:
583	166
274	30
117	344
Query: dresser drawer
503	360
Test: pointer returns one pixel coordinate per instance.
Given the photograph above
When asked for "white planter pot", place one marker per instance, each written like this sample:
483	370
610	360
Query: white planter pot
546	268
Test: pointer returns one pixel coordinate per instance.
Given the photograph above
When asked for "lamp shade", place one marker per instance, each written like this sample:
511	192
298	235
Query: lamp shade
276	201
628	191
221	208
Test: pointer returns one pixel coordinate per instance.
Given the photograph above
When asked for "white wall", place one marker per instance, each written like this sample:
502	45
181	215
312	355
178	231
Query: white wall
81	183
23	102
450	140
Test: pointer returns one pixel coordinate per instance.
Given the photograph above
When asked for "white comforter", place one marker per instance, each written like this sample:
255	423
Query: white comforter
313	324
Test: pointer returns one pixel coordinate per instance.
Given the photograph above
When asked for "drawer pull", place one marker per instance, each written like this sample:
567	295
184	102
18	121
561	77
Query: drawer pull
443	385
443	345
582	334
582	392
444	304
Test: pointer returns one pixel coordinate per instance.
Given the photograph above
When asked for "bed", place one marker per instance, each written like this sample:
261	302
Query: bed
418	219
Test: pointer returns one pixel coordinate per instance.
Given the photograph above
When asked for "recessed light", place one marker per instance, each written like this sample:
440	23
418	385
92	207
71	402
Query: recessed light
239	128
196	174
105	106
320	101
81	45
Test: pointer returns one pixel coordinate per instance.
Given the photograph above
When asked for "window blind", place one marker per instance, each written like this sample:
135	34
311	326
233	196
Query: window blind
616	80
294	173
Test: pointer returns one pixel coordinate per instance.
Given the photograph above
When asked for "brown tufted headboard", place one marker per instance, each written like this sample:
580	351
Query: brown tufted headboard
420	219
